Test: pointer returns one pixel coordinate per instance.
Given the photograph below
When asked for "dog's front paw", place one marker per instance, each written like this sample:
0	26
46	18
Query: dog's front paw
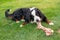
22	20
17	21
51	23
21	25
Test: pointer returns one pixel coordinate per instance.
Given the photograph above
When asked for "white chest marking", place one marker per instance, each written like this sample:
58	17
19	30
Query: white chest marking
35	16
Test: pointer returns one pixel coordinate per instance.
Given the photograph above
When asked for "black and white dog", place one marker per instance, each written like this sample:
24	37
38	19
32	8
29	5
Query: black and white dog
28	14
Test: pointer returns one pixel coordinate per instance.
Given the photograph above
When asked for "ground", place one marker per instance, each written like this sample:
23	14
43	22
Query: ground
9	30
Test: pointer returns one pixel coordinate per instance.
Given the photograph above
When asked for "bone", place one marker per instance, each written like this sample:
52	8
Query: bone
48	31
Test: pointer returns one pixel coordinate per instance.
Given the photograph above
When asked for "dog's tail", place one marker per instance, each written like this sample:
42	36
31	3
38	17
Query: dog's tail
7	13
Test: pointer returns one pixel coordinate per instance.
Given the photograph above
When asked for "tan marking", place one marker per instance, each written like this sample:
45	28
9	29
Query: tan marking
22	17
48	21
23	24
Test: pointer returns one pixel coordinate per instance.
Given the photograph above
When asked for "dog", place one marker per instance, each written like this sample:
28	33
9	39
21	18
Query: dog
32	14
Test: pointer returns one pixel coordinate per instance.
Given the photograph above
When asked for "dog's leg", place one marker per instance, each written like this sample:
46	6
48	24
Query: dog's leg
17	21
23	24
49	22
22	19
27	20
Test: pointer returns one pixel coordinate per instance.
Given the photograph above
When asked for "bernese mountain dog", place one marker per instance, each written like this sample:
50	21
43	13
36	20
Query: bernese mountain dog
33	15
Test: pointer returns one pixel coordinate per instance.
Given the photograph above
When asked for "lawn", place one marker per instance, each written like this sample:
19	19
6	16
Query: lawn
9	30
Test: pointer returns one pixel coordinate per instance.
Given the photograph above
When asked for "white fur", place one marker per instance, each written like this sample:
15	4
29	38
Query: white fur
10	10
35	16
31	22
22	20
32	8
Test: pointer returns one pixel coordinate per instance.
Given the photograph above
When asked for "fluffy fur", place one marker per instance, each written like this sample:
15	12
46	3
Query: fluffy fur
28	14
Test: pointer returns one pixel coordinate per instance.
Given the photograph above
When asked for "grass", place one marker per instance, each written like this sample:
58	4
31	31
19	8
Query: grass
10	30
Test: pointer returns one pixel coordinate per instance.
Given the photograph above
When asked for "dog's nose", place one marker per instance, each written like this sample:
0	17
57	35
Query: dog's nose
37	20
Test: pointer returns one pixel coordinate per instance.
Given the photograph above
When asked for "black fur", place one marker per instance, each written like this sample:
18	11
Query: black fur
17	14
40	14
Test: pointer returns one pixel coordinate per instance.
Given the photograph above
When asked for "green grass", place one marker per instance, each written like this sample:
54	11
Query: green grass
10	30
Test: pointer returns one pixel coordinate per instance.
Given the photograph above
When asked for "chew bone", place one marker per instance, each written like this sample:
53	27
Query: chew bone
48	31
